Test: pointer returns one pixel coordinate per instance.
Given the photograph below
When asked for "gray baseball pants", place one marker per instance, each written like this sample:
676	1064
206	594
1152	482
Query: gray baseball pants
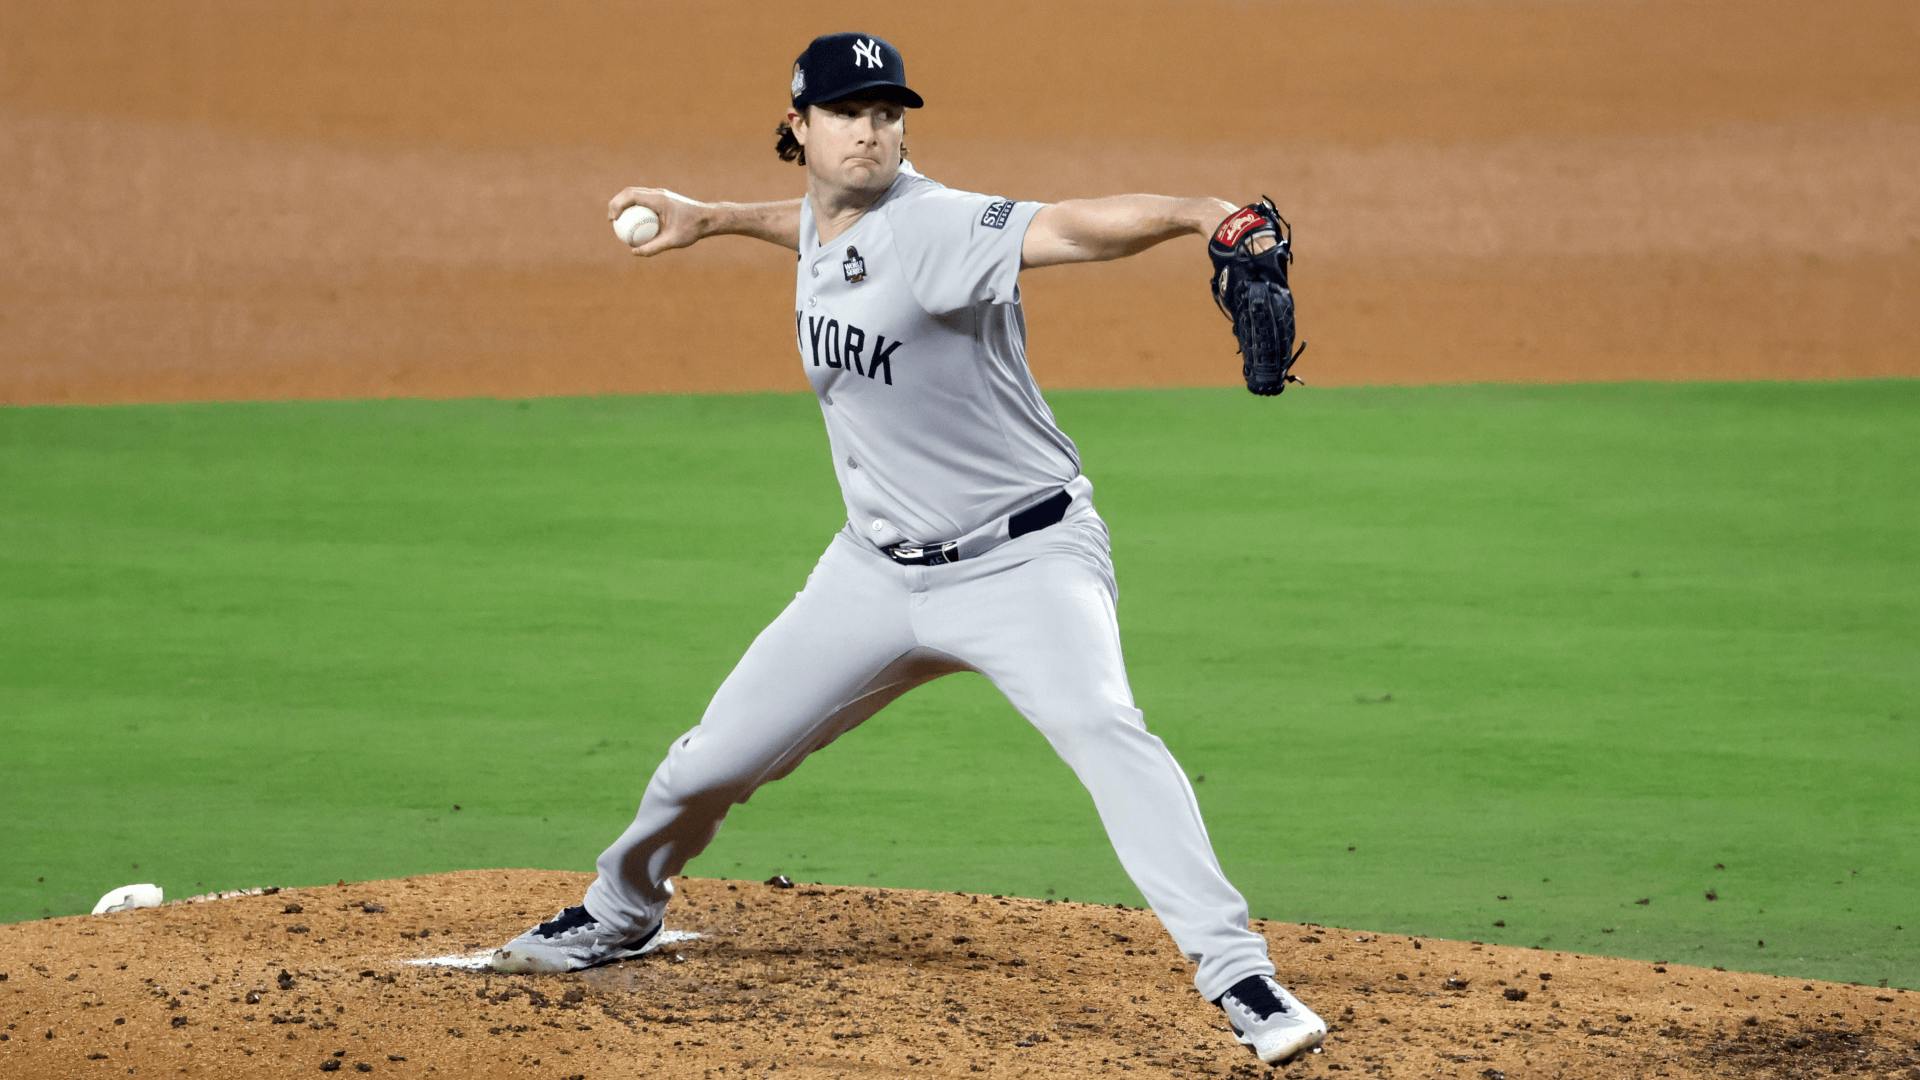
1036	616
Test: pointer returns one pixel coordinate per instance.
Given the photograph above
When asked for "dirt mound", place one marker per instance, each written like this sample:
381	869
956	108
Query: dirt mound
828	981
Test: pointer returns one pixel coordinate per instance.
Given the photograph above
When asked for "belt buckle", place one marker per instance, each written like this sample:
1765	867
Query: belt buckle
936	555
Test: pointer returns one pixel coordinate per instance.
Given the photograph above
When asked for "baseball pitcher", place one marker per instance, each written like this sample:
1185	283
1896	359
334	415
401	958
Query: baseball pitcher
972	542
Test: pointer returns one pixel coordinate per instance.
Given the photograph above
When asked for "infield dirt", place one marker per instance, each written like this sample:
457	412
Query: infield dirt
349	199
826	981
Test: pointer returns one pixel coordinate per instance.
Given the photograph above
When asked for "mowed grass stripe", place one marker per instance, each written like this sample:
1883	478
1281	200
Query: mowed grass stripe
1421	649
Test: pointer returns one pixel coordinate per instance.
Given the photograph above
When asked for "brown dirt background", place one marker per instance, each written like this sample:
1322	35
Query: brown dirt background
361	198
822	981
348	198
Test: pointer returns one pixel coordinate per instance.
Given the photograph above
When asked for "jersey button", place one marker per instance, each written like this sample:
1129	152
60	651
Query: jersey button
812	300
815	271
826	399
879	526
852	464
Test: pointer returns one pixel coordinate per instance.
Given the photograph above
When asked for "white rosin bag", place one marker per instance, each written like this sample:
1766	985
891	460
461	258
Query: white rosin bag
128	897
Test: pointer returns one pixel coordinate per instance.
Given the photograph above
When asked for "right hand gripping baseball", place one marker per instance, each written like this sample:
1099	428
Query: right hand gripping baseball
680	217
1251	251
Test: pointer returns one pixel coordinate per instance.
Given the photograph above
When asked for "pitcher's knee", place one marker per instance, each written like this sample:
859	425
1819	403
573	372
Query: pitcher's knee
1070	725
697	771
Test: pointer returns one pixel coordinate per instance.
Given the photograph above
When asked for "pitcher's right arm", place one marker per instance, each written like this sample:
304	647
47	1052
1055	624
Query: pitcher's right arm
684	220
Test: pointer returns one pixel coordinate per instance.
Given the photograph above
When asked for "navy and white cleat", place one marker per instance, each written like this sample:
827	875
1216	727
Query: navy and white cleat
570	941
1271	1021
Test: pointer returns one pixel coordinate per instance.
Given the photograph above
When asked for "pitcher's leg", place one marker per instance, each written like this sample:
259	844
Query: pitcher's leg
1045	632
840	652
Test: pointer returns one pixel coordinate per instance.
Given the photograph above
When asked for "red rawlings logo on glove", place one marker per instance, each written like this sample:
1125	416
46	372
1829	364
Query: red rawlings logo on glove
1236	226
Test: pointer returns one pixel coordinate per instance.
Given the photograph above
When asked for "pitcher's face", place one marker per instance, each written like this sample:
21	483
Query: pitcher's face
853	144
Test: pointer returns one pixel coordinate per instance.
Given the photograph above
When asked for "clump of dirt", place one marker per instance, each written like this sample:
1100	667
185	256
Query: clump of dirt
824	981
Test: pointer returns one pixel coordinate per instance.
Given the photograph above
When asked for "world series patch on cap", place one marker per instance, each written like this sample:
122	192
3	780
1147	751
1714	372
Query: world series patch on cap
838	66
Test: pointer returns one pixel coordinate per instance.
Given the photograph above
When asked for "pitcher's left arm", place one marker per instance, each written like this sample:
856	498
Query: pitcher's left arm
1113	227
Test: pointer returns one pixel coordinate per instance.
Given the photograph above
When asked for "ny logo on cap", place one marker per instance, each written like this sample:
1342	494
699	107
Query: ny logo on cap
866	53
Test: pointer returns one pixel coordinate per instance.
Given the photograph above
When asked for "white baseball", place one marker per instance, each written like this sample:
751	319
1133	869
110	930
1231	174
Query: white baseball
636	225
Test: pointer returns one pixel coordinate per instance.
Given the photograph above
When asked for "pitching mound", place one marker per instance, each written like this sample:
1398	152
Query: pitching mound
826	981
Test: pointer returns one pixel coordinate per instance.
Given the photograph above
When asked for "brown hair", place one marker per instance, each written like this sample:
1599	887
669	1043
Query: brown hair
788	147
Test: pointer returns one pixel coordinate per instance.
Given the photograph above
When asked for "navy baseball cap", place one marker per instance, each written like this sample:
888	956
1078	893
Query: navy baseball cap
837	66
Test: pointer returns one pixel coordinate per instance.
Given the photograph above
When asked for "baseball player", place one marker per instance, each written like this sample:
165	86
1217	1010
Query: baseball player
971	541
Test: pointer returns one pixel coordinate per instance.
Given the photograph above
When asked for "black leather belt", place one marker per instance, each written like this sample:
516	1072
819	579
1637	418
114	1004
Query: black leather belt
1032	519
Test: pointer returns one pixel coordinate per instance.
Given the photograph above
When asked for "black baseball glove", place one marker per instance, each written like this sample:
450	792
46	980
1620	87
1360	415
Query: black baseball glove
1250	252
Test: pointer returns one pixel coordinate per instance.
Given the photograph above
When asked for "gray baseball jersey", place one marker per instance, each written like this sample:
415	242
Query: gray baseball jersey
910	330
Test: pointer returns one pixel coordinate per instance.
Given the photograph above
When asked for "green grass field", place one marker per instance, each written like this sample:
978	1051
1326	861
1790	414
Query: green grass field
1437	659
